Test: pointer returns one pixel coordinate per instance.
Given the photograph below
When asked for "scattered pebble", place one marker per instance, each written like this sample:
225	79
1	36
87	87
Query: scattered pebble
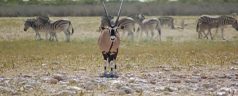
159	82
125	90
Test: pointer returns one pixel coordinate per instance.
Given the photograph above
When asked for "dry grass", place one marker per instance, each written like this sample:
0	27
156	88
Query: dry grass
26	55
20	53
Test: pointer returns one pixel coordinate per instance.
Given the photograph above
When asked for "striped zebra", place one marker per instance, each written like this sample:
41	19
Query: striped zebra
165	20
207	22
127	24
50	28
36	26
151	25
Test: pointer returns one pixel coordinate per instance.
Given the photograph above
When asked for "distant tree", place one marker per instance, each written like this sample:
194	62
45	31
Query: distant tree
89	1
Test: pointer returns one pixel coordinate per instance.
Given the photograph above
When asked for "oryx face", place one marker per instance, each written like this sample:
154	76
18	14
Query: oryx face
112	32
112	27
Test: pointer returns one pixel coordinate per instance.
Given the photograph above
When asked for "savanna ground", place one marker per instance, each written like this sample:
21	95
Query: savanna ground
167	65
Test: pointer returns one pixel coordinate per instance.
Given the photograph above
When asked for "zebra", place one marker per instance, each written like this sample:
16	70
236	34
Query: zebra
51	28
207	22
148	25
165	20
104	22
128	25
36	26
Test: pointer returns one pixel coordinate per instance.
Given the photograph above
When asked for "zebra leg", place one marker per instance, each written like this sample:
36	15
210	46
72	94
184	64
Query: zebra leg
216	32
37	37
222	33
199	35
152	34
67	33
141	34
210	33
130	35
147	35
46	35
123	34
205	34
54	36
51	38
159	33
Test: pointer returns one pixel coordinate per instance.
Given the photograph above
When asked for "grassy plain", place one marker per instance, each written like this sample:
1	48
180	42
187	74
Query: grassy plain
20	53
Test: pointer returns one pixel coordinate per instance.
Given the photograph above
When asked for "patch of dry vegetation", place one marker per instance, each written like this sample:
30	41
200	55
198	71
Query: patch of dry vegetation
26	55
19	52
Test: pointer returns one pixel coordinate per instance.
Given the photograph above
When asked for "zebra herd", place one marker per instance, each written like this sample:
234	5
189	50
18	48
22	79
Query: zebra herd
109	38
43	24
130	25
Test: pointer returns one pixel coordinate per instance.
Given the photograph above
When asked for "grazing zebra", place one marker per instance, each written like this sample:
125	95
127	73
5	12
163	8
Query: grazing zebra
148	25
36	26
109	41
167	21
206	22
51	28
128	25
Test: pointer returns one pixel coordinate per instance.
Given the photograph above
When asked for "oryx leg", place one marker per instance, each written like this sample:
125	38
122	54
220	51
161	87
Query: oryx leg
105	57
112	62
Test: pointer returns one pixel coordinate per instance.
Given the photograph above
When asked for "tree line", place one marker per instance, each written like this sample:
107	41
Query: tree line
73	2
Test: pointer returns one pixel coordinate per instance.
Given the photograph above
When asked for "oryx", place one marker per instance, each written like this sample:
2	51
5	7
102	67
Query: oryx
109	41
